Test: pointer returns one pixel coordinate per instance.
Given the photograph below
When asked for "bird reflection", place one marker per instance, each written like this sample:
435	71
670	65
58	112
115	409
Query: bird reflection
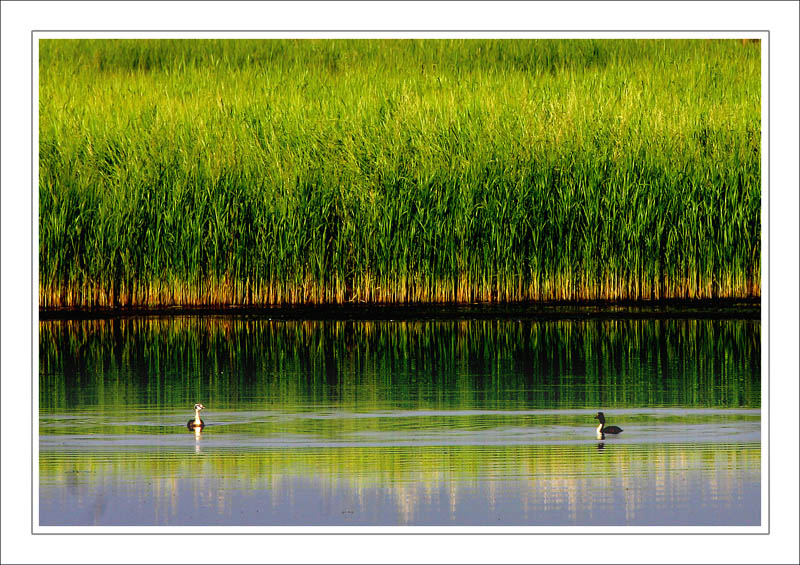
198	434
601	446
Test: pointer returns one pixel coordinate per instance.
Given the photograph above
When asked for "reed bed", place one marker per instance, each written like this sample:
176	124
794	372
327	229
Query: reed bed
261	172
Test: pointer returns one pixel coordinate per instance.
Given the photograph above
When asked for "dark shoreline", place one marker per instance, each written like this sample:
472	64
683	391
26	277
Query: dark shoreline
700	309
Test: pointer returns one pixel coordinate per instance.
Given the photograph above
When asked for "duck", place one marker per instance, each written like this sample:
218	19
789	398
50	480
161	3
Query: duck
602	429
196	423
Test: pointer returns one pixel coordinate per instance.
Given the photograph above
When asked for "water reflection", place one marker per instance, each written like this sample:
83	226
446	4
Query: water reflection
468	422
428	364
536	485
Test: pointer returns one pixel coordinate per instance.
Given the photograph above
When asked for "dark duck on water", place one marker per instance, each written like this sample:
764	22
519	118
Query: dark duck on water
196	423
602	429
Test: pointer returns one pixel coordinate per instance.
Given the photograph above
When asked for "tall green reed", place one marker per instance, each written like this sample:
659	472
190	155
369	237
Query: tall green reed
253	172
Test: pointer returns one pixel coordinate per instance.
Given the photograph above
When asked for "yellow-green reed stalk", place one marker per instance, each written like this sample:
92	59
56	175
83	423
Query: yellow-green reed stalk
239	172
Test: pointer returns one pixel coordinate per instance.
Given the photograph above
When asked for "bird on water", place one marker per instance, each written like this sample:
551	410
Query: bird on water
196	423
602	429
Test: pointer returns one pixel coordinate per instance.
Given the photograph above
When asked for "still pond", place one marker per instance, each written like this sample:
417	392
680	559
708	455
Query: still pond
382	423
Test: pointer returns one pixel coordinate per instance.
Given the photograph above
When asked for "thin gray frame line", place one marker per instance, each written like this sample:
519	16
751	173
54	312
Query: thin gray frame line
407	1
769	277
34	309
407	30
34	273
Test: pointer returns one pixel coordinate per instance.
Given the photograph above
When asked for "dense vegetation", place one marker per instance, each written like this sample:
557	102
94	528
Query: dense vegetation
247	172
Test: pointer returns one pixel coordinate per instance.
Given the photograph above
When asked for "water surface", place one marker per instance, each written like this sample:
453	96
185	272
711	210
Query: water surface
399	423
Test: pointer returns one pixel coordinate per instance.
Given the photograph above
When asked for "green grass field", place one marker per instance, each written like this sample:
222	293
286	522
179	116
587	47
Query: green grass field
254	172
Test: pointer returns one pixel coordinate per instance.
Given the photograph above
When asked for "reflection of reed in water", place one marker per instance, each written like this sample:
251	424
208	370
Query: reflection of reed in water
578	480
429	364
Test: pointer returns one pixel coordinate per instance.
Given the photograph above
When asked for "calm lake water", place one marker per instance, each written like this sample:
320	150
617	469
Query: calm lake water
459	422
